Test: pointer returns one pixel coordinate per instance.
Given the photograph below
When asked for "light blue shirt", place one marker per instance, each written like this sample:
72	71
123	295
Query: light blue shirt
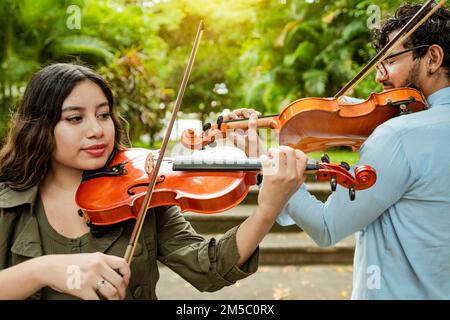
402	223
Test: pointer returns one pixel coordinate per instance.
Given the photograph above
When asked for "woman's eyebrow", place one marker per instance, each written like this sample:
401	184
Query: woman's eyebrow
77	108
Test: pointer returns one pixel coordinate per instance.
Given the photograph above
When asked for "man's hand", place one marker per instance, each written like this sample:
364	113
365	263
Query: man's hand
283	169
246	140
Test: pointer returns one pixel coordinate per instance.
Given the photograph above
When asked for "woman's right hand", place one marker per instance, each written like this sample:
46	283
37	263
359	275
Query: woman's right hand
88	276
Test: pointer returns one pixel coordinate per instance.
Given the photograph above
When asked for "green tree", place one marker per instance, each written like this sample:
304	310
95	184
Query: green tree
309	48
35	33
254	53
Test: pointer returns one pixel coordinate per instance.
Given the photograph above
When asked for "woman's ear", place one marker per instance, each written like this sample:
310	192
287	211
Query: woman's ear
435	57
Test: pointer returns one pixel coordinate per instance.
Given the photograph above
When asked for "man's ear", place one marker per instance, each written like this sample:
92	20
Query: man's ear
434	58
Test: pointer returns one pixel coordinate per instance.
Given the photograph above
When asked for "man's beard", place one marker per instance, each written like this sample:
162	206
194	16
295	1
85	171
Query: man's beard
412	81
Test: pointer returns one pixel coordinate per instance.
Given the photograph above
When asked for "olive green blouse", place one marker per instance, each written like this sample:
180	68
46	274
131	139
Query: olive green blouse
55	243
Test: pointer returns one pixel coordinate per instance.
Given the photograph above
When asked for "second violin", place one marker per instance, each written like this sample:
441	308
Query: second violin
312	124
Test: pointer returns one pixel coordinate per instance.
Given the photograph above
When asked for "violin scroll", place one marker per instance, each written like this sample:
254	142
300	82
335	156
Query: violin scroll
365	177
191	141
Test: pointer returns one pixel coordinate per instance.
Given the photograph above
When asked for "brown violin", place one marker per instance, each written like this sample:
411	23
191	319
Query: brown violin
312	124
115	193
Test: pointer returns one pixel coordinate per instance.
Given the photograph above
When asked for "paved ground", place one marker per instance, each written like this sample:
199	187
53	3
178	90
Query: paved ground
269	283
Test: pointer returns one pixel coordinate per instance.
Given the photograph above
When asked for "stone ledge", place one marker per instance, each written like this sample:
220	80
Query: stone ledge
299	249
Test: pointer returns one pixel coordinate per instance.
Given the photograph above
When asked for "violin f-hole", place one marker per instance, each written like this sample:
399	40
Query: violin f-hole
160	179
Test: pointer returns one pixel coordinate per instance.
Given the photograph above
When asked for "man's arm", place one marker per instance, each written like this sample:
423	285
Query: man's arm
328	223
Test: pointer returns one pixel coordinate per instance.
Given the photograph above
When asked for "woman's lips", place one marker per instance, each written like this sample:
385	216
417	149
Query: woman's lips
96	150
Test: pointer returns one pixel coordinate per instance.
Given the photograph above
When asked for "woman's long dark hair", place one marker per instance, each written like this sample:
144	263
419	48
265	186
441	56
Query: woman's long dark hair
26	154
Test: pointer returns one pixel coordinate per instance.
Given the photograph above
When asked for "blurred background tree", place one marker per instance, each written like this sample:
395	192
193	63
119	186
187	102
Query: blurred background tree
255	53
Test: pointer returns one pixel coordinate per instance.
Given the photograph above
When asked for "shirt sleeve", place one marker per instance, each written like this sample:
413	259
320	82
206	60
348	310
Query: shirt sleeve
6	228
328	223
208	264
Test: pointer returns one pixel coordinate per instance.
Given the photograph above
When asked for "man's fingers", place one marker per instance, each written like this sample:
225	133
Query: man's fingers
253	139
240	141
235	115
230	117
253	121
242	113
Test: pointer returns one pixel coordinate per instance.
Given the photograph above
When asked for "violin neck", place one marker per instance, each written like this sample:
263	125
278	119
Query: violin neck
193	164
270	121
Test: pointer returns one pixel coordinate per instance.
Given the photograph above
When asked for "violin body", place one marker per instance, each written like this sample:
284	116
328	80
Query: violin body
313	124
107	199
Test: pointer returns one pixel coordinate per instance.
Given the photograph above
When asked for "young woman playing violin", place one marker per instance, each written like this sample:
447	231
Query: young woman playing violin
66	124
401	223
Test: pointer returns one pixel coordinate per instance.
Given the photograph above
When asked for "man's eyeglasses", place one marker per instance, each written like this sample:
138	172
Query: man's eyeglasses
382	67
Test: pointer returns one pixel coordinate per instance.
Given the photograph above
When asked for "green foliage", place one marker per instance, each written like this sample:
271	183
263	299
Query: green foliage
337	155
92	49
262	54
137	94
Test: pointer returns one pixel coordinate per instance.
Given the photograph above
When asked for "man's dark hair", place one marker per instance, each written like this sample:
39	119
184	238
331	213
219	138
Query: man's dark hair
436	30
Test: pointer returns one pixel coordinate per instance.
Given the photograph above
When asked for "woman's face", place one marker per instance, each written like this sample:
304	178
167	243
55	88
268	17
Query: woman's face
85	133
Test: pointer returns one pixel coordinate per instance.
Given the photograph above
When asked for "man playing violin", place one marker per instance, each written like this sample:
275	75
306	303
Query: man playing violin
401	223
66	124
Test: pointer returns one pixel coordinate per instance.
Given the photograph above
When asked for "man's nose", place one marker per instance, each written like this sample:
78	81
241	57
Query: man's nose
381	75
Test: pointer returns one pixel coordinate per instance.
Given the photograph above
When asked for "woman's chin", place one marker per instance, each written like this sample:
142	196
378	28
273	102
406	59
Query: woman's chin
94	164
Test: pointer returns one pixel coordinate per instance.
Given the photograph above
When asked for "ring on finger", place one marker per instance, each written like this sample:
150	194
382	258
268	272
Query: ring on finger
100	284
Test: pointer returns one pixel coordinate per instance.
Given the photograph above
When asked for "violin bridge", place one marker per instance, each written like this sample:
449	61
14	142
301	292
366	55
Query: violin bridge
149	163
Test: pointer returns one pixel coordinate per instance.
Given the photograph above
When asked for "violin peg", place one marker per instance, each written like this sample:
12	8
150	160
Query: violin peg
345	165
351	192
333	183
206	126
259	179
219	121
325	158
404	109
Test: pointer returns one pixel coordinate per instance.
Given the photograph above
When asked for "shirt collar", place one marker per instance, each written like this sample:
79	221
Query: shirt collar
440	97
10	198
